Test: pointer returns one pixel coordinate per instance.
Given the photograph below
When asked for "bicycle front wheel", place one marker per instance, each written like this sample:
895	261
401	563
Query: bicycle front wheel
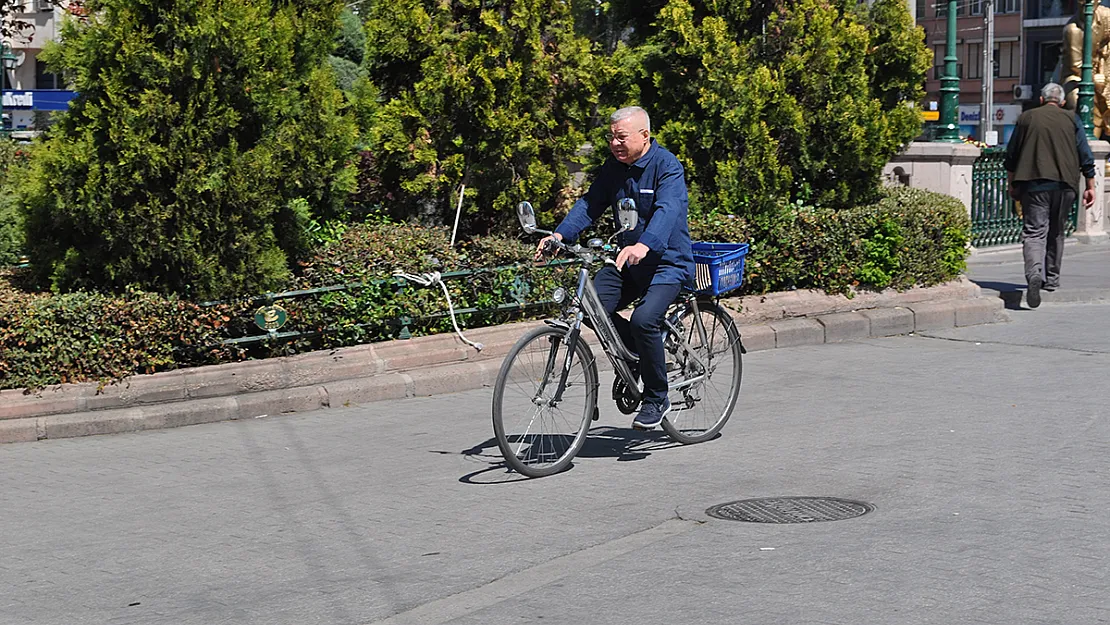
699	411
538	435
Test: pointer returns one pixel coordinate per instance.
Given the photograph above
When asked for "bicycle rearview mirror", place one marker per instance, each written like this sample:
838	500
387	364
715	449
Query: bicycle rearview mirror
527	216
627	214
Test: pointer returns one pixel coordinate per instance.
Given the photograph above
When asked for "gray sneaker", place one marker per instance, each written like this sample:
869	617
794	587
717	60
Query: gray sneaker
651	415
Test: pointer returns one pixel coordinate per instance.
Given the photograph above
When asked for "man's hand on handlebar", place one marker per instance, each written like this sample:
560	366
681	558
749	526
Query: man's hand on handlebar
546	246
632	255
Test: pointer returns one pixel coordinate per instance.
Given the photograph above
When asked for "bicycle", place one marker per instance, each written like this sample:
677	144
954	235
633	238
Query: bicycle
546	394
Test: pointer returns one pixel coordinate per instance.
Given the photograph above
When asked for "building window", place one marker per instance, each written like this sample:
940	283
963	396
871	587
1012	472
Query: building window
1052	8
974	60
44	79
1049	57
1007	59
919	11
975	6
1007	6
938	61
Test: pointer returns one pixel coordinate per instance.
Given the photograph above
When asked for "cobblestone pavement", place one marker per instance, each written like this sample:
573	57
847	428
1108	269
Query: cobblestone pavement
985	451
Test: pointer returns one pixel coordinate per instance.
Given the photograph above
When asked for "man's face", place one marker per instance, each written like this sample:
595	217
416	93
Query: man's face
629	139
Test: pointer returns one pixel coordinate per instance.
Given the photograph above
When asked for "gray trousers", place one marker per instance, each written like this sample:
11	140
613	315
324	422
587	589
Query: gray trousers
1042	233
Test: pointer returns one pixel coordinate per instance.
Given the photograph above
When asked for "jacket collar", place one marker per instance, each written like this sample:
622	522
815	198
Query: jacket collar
643	161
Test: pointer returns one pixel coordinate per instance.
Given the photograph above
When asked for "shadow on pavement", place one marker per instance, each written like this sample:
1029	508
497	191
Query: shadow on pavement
1010	292
622	444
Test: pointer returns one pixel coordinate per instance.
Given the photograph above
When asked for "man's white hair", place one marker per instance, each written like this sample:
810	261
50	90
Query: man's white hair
1052	92
630	111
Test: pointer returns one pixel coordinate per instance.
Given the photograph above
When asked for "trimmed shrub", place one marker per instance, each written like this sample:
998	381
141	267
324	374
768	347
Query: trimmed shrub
80	337
50	339
908	237
368	254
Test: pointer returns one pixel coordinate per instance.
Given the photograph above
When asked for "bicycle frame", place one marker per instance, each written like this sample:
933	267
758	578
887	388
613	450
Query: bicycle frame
591	309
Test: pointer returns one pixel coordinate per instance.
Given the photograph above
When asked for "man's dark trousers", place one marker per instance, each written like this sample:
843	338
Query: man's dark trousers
1044	214
643	334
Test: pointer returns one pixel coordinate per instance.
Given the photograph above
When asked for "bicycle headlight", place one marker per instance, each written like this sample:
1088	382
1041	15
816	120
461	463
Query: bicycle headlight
559	295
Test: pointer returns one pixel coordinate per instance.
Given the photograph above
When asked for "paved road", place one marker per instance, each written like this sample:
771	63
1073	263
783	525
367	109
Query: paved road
984	451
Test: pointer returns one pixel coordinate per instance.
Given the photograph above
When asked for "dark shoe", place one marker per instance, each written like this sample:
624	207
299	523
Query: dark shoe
651	415
1033	295
1050	287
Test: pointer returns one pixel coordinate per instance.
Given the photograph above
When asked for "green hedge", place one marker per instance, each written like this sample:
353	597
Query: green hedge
368	255
76	337
909	237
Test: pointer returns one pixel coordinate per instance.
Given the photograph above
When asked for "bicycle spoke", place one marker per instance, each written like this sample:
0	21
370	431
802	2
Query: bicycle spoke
706	404
536	437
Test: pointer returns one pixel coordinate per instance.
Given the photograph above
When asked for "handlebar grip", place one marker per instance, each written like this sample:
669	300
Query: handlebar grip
550	246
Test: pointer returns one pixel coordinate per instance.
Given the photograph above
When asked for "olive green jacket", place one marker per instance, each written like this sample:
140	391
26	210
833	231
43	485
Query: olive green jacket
1049	144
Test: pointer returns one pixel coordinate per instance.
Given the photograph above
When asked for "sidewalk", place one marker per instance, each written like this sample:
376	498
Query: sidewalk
1085	276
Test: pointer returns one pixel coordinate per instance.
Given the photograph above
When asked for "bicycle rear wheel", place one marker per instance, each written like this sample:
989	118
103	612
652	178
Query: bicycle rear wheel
699	411
537	436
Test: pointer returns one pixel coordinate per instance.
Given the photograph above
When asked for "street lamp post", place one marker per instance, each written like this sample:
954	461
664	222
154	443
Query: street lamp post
1085	103
9	60
950	85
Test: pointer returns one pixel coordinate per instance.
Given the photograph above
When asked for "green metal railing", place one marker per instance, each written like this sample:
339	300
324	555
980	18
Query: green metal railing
519	295
994	219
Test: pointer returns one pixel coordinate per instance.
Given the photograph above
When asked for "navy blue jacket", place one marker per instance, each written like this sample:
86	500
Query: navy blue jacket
656	181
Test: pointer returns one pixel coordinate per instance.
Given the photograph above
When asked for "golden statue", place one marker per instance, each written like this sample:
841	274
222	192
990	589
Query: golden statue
1072	61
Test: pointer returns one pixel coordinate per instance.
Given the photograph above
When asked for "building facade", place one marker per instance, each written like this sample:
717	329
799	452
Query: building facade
1028	38
971	28
30	91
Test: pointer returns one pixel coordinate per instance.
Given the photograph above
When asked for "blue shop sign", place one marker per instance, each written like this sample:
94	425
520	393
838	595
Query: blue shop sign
37	99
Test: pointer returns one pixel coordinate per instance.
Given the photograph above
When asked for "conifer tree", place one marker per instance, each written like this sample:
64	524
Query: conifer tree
775	101
206	133
494	95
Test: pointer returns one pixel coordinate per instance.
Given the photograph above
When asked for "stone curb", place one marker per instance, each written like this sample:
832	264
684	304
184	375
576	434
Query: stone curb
418	367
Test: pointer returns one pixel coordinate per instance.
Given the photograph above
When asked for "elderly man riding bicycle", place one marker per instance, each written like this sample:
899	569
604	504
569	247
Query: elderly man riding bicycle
655	259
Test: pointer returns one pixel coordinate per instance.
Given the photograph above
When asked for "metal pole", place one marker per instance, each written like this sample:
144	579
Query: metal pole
988	6
1086	101
950	85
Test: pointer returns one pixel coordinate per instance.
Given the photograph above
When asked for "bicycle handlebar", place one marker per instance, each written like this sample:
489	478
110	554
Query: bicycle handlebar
607	251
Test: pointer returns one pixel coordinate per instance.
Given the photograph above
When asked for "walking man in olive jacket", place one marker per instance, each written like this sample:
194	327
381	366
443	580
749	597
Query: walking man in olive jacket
1044	158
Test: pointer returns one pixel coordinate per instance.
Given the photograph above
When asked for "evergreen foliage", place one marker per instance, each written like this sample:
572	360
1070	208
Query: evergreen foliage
495	95
770	102
350	49
13	167
204	136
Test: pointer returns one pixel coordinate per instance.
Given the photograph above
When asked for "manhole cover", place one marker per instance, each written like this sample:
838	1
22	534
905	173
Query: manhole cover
790	510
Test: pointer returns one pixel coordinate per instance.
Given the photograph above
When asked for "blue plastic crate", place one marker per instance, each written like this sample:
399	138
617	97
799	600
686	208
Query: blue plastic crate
719	266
